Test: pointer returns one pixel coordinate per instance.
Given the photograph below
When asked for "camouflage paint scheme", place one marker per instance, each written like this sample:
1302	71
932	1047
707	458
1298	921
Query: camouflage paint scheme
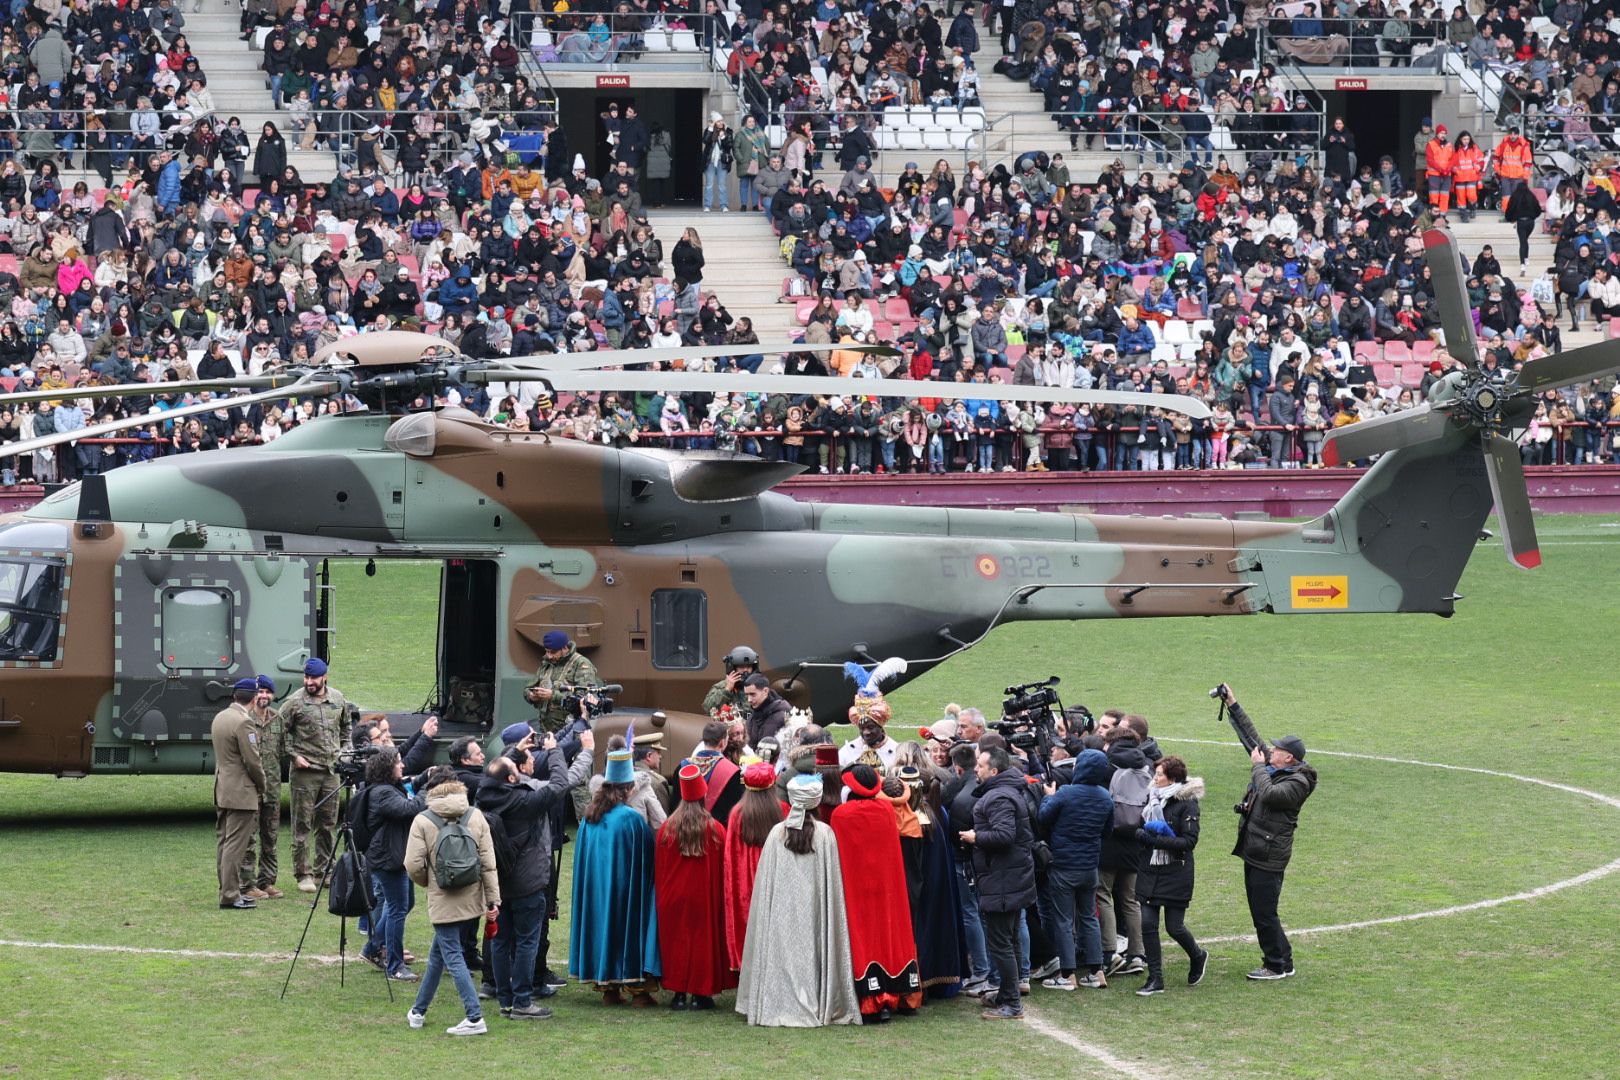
580	536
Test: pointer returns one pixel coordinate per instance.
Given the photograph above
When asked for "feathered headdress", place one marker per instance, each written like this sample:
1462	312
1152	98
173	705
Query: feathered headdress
869	702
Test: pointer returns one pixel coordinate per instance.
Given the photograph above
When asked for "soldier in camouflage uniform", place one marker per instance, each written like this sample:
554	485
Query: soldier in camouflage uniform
741	662
259	874
563	666
313	722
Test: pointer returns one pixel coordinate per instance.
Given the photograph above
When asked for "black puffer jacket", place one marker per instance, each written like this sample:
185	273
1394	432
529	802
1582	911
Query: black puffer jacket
1171	884
1265	837
1004	843
524	810
389	812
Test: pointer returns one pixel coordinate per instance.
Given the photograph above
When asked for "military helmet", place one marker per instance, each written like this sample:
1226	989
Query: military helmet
742	656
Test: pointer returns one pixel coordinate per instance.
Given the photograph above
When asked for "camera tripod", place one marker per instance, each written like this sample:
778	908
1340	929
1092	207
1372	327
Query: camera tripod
343	842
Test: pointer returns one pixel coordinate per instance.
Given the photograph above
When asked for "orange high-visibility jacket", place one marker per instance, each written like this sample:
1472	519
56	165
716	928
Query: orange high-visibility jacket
1468	164
1440	157
1513	158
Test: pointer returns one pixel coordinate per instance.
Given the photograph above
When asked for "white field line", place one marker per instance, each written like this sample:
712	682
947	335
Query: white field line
1090	1050
185	954
1537	893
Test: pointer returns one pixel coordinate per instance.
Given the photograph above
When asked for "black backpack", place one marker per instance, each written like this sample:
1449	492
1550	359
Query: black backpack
359	827
350	894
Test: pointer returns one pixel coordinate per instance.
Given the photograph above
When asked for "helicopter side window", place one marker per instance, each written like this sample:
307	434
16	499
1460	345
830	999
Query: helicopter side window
197	629
680	629
30	608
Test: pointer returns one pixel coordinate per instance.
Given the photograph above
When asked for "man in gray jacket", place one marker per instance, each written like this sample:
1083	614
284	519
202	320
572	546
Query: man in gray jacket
770	179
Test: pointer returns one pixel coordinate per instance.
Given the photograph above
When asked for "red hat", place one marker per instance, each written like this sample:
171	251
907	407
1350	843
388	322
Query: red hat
693	787
759	777
859	788
1436	366
826	754
1440	130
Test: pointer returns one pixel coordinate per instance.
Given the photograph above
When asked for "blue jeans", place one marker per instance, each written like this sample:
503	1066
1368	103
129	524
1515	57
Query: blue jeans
395	898
714	187
1072	896
446	955
973	926
987	455
1125	458
1201	142
936	454
517	941
275	90
745	191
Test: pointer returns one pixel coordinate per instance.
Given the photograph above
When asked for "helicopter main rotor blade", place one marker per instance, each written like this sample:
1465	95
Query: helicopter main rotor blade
1382	434
112	390
1450	292
303	387
1570	367
1505	469
816	385
613	357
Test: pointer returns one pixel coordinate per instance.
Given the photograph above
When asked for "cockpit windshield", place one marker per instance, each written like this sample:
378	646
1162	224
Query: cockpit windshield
30	607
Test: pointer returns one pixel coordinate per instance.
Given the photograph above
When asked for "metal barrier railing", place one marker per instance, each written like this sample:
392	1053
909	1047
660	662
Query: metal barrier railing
1360	43
1160	138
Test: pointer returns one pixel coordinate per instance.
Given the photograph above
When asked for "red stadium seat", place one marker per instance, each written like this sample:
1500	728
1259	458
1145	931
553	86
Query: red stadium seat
1412	375
1397	352
1369	351
896	308
1187	308
1385	373
1423	351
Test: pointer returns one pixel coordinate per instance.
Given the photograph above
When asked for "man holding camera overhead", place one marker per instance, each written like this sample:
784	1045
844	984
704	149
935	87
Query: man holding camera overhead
1279	783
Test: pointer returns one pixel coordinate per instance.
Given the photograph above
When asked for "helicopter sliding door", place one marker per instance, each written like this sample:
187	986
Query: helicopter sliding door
468	598
188	624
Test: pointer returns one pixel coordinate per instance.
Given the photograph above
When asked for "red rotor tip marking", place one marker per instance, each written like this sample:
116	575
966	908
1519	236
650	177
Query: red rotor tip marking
1434	237
1528	559
1330	454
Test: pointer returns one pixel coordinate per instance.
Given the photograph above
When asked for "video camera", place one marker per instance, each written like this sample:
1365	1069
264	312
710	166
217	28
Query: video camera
1027	718
351	764
585	702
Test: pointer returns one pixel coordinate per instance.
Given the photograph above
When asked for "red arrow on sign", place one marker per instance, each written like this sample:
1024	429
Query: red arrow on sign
1331	592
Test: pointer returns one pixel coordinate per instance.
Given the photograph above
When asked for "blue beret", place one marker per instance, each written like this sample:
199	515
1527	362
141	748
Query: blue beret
554	640
245	684
266	683
513	734
315	667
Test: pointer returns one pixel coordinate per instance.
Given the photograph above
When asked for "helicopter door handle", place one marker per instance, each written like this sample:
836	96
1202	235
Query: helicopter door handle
10	723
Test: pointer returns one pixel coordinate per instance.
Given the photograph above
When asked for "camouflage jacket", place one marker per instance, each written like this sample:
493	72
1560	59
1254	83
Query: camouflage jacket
721	695
312	729
272	749
572	670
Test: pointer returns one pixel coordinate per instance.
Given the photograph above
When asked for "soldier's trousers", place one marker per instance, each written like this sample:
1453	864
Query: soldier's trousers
260	865
232	830
309	788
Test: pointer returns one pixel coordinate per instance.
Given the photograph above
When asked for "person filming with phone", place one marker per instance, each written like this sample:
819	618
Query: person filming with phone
1279	783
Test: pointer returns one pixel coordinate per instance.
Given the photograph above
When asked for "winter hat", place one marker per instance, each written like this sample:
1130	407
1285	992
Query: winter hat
513	734
554	640
579	162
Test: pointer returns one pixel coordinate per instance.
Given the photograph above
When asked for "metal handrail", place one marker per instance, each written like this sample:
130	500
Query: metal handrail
614	39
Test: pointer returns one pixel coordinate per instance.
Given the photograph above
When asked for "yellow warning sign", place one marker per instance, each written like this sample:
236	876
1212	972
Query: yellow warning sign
1321	592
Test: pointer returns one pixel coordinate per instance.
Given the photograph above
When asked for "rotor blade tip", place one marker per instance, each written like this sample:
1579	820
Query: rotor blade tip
1527	560
1435	238
1330	454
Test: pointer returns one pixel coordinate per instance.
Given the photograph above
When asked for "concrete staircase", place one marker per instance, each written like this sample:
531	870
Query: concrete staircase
742	264
1489	228
240	87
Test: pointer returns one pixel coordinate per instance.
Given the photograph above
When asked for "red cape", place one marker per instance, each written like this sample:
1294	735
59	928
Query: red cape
690	894
742	863
880	938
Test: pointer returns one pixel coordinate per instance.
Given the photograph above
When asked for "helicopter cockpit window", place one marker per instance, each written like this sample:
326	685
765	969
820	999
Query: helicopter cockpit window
30	608
197	629
680	629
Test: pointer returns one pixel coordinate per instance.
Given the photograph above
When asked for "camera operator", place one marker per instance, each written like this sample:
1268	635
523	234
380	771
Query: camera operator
563	666
1003	840
519	808
741	662
1279	784
381	829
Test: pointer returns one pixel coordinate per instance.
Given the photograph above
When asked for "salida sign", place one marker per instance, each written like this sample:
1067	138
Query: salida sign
1343	84
613	82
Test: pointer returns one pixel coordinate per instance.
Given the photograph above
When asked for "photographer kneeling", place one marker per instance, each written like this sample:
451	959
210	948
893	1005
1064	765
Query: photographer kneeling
1279	783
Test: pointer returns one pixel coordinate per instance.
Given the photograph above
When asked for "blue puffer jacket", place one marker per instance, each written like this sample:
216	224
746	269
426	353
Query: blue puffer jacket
1075	817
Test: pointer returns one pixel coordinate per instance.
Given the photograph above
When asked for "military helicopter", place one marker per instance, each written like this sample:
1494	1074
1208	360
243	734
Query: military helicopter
655	562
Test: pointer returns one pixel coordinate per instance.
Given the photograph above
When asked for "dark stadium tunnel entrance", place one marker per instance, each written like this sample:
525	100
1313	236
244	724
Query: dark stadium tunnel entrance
679	112
1383	121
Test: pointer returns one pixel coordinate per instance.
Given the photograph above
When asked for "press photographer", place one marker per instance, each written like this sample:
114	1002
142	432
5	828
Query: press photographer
1279	783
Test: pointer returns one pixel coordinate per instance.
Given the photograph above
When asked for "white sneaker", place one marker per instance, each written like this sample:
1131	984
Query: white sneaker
708	209
468	1027
1058	982
725	209
415	1019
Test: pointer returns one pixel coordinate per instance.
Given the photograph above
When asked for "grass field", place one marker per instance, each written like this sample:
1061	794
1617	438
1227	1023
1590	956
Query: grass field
1521	681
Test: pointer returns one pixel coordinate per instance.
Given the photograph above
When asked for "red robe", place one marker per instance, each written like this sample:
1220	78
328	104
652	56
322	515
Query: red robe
742	864
690	894
880	937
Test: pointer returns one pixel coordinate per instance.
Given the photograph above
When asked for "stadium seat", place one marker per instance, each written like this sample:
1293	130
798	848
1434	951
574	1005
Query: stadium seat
1423	351
1397	352
1200	327
1175	332
1368	351
1188	308
1385	373
1614	326
1164	352
1412	375
896	308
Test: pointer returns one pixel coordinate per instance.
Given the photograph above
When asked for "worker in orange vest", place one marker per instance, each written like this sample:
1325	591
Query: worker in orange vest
1440	156
1467	166
1513	159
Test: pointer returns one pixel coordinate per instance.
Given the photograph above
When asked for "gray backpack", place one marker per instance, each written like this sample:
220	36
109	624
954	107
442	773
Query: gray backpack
455	861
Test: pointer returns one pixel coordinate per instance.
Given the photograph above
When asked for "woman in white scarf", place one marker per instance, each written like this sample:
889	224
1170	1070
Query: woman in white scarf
1170	832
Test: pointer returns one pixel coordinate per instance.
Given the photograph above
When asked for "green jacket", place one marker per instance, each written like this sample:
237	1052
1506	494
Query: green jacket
272	751
720	694
314	730
572	670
